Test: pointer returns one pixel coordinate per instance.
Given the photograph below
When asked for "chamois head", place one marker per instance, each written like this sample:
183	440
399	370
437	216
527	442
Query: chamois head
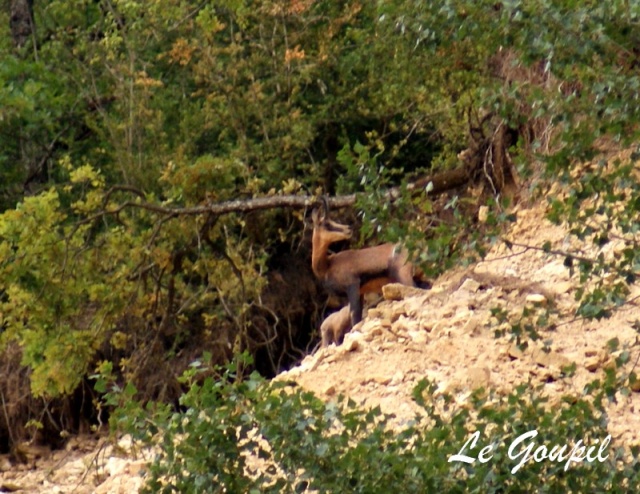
328	230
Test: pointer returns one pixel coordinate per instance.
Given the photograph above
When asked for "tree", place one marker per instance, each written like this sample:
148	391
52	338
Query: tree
134	135
22	22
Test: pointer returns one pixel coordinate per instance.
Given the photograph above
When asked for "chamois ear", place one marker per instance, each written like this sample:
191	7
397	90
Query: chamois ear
325	205
320	211
315	216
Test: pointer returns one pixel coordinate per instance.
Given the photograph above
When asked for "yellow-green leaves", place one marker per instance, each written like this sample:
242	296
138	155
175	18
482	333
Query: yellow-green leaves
88	174
54	304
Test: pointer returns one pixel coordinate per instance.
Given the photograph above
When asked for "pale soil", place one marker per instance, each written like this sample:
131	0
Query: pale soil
445	334
86	466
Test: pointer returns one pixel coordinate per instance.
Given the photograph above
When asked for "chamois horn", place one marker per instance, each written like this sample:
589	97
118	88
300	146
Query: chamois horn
322	206
320	211
325	204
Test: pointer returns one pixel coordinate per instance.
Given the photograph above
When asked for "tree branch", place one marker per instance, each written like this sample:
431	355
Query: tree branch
440	182
555	252
234	206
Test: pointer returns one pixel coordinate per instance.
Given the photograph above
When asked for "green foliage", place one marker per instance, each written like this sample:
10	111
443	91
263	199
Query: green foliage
251	436
48	292
176	103
73	265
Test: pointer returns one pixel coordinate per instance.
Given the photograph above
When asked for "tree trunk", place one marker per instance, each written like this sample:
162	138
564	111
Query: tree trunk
21	21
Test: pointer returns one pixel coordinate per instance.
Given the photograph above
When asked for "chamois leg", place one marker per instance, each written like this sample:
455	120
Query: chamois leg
326	330
355	304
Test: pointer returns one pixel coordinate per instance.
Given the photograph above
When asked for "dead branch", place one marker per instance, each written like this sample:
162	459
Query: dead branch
441	182
561	253
236	205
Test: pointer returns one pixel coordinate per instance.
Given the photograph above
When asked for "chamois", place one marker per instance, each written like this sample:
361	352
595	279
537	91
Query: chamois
354	272
337	324
334	327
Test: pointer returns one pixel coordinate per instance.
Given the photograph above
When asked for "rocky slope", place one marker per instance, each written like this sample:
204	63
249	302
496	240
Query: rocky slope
446	334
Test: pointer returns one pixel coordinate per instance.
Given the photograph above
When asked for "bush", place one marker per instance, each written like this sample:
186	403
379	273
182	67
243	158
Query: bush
249	435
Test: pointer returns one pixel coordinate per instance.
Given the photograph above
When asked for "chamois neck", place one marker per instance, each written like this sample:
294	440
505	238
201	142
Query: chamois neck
319	256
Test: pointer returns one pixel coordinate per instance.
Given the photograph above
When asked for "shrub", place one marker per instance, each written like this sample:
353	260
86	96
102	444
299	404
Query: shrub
232	435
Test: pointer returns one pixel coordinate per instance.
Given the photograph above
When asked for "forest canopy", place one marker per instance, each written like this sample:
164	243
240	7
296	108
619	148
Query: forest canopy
125	123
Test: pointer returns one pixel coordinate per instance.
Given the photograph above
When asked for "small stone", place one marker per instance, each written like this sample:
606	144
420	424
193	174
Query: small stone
547	375
10	487
376	331
385	322
5	463
514	352
483	214
116	466
473	325
419	337
330	359
553	271
563	287
609	363
536	298
393	291
32	451
75	468
451	387
375	313
470	285
309	364
461	317
478	377
126	443
368	336
634	385
397	312
550	359
427	325
401	324
330	390
351	342
556	372
397	378
138	467
592	364
397	291
382	380
291	373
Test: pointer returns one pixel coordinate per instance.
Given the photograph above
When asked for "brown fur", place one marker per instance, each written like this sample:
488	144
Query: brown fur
354	272
335	326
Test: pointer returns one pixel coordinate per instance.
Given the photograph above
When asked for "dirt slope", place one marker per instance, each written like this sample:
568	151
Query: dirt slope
445	334
86	466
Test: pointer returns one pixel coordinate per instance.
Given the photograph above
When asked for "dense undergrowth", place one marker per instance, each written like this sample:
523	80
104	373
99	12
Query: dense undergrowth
249	435
122	122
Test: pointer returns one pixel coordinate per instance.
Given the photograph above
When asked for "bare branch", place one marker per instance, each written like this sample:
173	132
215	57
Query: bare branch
440	183
220	208
554	252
